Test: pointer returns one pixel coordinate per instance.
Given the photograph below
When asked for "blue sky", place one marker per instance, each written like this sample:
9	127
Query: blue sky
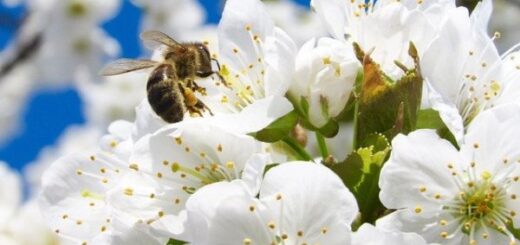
49	112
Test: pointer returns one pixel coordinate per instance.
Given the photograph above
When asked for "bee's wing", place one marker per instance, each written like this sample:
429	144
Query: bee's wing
154	39
126	65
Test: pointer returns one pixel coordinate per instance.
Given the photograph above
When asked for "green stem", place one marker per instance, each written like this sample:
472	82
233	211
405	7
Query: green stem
356	111
302	153
322	145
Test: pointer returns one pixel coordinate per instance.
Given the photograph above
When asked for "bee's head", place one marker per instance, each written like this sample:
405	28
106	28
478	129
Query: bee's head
204	68
204	54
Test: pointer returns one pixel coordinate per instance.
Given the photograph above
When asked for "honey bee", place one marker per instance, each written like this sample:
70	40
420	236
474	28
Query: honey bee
171	85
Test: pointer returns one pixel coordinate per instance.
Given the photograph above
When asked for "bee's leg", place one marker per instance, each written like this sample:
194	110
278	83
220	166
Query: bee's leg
193	85
189	96
200	105
194	105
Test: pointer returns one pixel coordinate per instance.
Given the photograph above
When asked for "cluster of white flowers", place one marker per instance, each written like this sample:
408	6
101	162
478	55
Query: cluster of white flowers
20	224
361	122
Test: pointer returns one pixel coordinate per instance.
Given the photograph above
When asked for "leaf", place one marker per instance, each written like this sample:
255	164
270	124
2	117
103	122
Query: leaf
278	129
429	118
360	173
446	134
175	242
350	171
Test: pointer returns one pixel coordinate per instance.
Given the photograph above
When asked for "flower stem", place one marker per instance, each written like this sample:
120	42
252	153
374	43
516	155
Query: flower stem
322	145
356	111
302	153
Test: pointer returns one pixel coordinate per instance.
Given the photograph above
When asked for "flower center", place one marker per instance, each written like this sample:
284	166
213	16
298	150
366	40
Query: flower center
481	203
76	9
206	174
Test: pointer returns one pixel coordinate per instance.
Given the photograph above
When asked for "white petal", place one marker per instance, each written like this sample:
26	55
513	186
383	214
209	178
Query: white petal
280	51
73	196
254	171
202	207
128	235
335	15
420	167
141	199
448	112
254	117
234	222
192	143
492	140
237	16
287	189
452	49
146	122
482	14
368	234
406	221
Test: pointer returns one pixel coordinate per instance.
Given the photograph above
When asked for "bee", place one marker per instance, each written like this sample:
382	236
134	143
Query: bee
171	85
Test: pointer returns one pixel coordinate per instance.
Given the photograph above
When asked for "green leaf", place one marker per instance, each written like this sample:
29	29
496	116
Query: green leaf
350	171
446	134
360	173
385	106
429	118
175	242
278	129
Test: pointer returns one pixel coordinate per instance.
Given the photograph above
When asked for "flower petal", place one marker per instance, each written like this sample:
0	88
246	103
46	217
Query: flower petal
431	160
369	234
287	189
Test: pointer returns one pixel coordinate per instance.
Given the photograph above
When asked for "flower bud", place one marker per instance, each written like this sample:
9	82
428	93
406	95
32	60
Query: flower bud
325	73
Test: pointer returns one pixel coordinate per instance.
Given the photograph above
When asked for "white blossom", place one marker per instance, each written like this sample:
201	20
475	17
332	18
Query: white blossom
113	98
290	209
10	193
74	199
174	162
325	73
257	62
174	17
15	88
453	196
20	224
385	28
63	55
472	76
70	38
28	227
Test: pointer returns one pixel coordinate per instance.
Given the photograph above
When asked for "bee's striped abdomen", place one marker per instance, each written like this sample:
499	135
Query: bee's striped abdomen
164	97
